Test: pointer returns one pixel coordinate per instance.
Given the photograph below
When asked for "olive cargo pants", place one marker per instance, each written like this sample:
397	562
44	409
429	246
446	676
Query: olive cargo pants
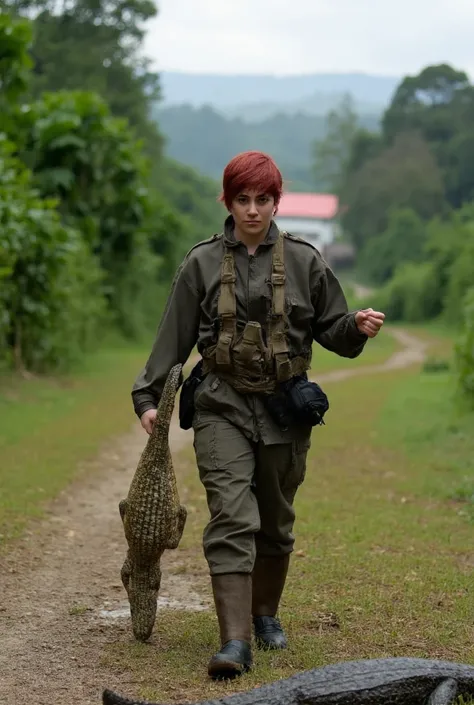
250	489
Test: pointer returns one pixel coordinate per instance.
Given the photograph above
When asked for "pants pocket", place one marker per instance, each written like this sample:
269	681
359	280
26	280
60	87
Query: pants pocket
298	461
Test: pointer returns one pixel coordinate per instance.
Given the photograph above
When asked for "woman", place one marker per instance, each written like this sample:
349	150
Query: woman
253	300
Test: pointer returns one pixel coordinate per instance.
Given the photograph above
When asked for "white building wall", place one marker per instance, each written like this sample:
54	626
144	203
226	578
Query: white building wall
319	232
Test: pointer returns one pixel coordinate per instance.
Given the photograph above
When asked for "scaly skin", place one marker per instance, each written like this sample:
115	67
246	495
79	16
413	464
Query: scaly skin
392	681
153	519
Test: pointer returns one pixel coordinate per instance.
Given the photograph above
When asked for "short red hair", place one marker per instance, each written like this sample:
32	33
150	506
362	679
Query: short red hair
251	170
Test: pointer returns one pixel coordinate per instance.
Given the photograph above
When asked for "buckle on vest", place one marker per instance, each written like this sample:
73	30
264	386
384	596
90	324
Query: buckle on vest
278	279
226	316
228	278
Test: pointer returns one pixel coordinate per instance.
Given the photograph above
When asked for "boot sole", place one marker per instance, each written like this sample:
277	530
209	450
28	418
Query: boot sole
227	670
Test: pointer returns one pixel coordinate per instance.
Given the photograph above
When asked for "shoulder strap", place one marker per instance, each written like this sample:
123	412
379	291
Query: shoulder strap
226	310
278	341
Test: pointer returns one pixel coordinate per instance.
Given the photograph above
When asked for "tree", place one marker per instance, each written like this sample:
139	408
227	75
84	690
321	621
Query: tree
365	145
459	174
95	45
333	152
404	175
51	298
15	67
403	241
423	103
465	351
91	163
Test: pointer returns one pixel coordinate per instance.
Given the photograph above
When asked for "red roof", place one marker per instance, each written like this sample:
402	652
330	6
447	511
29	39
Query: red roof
308	205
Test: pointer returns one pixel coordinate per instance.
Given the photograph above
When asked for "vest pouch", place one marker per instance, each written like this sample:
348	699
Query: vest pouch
297	401
249	351
308	401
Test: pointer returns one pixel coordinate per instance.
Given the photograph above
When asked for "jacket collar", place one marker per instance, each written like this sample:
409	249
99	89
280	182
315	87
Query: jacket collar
229	233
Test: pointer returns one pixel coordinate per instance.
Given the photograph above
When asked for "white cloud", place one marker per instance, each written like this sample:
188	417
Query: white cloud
305	36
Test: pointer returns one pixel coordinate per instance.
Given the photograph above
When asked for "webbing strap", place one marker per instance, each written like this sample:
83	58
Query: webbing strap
226	309
278	340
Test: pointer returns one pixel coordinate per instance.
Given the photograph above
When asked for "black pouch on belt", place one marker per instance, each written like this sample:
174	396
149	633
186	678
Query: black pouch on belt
297	401
186	398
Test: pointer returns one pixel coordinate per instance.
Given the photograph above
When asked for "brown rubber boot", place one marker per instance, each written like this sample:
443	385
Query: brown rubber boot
233	600
268	581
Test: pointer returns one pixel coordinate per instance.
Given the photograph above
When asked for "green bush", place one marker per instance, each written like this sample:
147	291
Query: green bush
411	295
403	241
465	351
460	279
51	303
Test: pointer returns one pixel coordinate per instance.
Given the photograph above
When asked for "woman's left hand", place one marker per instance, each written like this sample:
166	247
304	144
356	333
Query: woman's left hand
369	321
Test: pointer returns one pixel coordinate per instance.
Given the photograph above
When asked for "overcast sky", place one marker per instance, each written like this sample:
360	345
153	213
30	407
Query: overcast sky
304	36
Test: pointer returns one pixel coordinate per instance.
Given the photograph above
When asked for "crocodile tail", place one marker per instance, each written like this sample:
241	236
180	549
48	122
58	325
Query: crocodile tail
111	698
167	400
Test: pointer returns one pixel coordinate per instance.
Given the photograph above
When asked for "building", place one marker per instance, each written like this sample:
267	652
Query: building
313	216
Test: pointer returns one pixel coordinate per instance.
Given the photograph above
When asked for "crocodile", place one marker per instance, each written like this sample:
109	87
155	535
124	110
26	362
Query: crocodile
152	516
389	681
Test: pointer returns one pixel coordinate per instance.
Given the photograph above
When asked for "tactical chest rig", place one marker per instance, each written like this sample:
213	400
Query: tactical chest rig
246	361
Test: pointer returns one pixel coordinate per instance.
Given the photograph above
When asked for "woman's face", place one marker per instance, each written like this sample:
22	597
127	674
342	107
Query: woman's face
253	212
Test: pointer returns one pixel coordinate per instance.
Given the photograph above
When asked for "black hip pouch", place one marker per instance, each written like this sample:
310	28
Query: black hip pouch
297	401
186	398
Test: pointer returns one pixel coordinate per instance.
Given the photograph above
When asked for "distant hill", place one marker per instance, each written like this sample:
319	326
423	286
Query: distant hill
256	97
318	104
204	139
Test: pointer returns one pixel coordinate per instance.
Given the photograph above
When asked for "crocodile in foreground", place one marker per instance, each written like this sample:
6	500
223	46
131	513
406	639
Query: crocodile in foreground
392	681
153	519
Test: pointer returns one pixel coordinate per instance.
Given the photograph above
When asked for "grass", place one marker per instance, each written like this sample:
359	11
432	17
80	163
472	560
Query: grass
376	351
383	558
425	421
50	426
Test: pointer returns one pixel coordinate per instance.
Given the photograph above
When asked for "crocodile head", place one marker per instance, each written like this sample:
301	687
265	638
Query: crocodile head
142	586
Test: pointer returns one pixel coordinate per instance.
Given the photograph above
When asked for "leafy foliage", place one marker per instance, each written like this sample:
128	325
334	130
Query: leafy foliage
404	175
402	241
465	350
15	65
50	294
91	163
95	46
15	61
411	295
91	236
333	152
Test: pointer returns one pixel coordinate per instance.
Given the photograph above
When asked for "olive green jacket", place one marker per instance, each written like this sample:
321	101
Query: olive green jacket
315	306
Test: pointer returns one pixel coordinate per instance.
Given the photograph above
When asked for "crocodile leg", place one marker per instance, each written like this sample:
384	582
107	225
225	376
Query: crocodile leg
445	693
122	508
126	572
175	536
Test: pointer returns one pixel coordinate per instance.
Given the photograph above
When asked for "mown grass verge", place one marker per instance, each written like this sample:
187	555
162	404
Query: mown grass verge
383	558
376	351
49	426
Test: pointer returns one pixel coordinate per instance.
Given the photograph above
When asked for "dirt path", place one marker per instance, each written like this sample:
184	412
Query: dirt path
61	596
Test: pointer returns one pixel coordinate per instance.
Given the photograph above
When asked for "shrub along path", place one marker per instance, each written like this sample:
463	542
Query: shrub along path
382	564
